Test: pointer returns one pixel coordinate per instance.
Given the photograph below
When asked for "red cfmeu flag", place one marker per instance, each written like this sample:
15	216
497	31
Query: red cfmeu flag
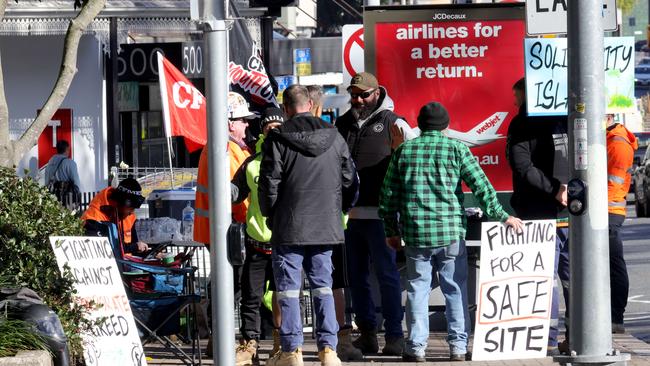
184	109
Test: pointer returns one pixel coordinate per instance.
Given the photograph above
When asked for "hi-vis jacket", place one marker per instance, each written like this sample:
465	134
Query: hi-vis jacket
201	218
621	144
102	210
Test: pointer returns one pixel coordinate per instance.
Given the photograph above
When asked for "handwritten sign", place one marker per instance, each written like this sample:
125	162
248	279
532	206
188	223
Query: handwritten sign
547	62
97	278
515	292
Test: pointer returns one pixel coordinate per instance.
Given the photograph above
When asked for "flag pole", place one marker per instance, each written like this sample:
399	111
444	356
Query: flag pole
165	107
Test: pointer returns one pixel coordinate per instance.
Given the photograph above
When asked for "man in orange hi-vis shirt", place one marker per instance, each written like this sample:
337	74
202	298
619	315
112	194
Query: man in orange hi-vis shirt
621	144
238	115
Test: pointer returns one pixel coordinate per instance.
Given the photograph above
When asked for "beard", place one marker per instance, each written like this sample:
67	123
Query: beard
361	112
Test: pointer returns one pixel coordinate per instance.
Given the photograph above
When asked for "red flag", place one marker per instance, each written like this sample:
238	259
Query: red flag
184	109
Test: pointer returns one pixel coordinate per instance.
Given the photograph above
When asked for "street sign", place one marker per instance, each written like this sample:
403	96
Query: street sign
550	16
302	62
352	37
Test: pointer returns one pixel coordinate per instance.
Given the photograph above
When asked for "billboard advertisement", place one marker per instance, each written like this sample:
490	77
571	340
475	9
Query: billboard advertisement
466	58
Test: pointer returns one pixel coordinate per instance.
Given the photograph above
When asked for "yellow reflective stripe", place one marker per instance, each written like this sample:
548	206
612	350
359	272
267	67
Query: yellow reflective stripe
203	213
615	179
618	204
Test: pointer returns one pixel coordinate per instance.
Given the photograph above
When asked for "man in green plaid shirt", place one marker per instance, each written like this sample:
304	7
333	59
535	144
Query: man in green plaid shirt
422	202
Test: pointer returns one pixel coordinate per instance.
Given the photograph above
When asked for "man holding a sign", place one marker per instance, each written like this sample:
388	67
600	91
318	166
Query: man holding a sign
422	202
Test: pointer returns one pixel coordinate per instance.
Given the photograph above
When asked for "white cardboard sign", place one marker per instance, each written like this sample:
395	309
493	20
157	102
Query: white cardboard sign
93	265
515	291
550	16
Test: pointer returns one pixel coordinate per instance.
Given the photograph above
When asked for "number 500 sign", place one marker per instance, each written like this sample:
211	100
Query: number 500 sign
193	59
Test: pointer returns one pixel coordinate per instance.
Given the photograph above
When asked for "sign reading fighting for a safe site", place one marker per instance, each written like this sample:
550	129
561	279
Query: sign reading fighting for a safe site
467	59
91	262
515	291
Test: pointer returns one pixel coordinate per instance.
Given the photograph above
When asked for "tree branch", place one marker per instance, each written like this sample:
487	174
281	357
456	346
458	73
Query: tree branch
68	69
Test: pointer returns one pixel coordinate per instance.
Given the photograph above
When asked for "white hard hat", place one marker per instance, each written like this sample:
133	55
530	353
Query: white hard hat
238	107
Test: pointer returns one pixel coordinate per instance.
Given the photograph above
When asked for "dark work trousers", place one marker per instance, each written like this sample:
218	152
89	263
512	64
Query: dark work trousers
256	271
618	279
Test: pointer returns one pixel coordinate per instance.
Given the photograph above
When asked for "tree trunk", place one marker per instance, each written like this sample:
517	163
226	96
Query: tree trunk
68	69
6	146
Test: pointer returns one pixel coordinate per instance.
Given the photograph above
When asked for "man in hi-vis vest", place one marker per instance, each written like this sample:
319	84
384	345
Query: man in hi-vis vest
238	116
621	144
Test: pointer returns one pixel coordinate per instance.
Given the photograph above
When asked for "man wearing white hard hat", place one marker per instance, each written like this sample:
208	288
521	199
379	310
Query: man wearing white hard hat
238	116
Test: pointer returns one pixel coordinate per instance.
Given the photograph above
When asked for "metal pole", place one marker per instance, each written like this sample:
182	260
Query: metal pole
112	112
590	318
221	274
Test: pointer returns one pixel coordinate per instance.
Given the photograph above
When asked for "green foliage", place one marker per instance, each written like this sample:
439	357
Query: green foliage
620	101
29	214
16	335
626	6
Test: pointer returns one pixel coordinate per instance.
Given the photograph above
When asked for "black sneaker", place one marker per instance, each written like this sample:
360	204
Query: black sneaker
457	357
411	358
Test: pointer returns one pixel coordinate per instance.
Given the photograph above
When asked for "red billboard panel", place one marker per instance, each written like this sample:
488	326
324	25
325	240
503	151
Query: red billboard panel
465	58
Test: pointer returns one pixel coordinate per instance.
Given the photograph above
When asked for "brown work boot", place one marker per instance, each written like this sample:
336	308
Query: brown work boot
367	342
345	350
328	357
394	346
276	342
246	353
286	359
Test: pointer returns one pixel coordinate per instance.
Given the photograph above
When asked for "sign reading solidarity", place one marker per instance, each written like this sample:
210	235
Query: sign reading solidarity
97	279
547	75
352	36
515	291
467	60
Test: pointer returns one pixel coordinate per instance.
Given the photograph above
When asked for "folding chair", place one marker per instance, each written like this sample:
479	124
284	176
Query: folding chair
159	293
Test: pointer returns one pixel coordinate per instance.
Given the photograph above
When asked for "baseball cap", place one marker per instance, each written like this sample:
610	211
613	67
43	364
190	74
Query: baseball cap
364	81
238	107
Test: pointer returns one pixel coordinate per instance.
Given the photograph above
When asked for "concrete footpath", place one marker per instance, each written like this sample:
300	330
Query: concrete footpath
437	354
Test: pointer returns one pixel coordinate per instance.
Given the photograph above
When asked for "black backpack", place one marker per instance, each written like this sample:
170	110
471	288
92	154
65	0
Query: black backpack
66	192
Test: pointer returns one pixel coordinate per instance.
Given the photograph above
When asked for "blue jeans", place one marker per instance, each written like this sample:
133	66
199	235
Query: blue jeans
561	272
451	264
288	262
365	241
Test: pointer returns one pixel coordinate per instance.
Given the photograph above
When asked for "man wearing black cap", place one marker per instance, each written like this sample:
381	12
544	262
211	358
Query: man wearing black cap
421	202
367	128
117	206
257	267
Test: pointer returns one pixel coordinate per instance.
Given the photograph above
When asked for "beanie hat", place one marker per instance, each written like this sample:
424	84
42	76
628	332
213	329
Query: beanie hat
433	116
129	193
272	115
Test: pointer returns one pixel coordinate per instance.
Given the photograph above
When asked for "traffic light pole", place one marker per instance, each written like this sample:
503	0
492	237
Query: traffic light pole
590	319
221	274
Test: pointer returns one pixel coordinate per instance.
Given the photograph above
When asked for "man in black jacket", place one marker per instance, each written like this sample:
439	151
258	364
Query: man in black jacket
371	130
305	167
537	150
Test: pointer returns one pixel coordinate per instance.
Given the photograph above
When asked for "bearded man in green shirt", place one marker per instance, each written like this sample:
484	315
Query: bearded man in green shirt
421	202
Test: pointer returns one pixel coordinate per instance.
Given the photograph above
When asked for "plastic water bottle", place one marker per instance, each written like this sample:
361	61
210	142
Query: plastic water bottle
188	222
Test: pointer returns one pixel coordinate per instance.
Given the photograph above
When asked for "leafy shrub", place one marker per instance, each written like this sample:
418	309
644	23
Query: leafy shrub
16	335
29	214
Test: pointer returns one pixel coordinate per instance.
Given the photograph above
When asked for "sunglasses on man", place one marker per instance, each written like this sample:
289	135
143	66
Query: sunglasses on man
363	95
